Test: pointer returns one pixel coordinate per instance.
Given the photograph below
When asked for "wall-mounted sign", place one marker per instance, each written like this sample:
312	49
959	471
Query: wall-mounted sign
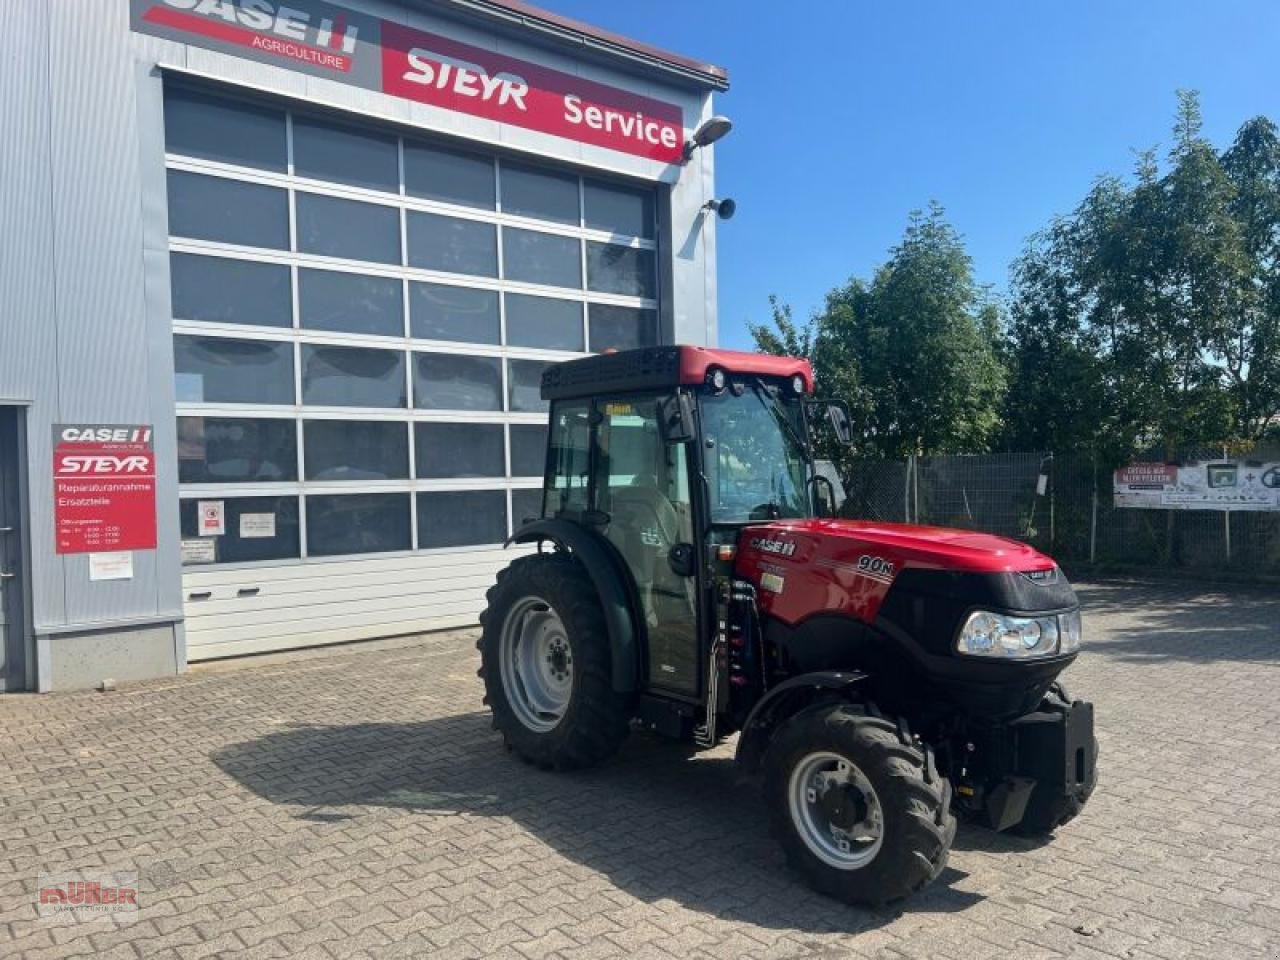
331	41
212	517
111	566
198	550
104	488
1199	485
257	525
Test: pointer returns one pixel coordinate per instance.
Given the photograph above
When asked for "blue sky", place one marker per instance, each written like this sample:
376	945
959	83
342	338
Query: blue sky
847	115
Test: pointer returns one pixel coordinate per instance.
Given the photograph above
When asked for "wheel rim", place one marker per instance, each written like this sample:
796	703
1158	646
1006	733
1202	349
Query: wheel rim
537	664
836	811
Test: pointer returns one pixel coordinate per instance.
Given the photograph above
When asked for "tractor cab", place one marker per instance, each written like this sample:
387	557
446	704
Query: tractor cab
691	579
667	454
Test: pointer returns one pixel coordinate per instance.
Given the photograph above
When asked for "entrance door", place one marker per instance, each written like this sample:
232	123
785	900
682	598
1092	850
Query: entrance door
12	633
642	486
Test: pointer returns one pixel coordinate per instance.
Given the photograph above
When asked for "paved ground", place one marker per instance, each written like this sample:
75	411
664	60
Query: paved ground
356	804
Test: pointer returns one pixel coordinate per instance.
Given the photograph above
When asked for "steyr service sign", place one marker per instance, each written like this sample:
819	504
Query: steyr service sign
330	41
104	487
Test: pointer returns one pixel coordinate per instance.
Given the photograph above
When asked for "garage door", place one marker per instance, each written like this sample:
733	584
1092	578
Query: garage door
360	320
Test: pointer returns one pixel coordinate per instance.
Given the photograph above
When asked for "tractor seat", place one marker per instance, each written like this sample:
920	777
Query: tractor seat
643	509
644	528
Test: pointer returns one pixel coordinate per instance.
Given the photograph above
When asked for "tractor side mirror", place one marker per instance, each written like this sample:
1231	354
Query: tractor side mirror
676	411
841	422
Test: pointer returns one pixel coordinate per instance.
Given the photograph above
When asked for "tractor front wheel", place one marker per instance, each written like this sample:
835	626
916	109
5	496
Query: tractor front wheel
544	652
857	804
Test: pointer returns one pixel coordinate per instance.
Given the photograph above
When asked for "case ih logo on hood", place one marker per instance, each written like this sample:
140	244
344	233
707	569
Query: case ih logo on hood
264	25
1042	577
782	548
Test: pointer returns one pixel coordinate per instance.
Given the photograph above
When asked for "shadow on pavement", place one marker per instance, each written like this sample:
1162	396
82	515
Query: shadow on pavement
659	822
1187	622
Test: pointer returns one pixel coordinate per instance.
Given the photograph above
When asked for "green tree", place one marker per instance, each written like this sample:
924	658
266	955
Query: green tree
913	351
785	338
1060	399
1249	340
1149	315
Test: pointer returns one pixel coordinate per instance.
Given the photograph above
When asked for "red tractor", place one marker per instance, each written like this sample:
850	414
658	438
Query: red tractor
691	580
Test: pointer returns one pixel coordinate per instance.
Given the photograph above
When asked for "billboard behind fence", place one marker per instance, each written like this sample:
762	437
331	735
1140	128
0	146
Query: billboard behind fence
1223	484
1067	505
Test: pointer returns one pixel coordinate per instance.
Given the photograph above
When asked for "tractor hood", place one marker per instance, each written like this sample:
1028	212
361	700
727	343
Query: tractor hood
808	567
900	544
912	586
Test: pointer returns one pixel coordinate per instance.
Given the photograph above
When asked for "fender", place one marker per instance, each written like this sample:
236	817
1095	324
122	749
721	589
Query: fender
786	699
609	576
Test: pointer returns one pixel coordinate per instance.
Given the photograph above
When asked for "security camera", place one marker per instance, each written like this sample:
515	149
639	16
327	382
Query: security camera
724	209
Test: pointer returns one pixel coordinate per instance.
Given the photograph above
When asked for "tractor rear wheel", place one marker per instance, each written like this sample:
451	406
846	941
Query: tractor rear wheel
544	652
858	805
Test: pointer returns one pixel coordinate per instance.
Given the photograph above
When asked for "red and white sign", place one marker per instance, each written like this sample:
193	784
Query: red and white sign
445	73
281	31
1226	484
1147	476
104	488
320	38
212	517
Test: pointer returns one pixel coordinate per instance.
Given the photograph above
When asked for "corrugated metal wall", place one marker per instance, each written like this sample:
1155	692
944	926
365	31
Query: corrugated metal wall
28	335
85	328
81	339
113	356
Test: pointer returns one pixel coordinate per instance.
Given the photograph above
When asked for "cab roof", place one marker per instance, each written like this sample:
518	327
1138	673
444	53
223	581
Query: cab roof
655	368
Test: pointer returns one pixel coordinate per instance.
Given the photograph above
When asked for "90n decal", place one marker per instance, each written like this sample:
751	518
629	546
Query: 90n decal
875	568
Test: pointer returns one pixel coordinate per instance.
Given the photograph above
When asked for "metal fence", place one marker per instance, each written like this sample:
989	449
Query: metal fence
1063	504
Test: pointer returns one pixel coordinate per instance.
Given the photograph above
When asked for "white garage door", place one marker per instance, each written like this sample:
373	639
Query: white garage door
360	323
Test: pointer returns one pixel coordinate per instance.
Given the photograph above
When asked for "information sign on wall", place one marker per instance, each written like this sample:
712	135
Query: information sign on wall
104	487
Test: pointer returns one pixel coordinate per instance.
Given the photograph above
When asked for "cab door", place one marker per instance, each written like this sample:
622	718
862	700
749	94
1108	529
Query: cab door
642	493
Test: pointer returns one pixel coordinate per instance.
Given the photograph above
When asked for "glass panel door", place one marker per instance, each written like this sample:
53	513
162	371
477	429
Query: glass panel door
642	486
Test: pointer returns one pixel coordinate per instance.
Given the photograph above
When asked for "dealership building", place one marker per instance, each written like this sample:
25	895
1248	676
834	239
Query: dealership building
281	278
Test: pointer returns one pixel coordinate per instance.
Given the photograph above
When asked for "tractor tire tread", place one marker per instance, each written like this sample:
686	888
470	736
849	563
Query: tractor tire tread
919	826
597	718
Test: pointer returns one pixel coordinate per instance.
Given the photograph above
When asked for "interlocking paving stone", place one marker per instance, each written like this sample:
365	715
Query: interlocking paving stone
354	803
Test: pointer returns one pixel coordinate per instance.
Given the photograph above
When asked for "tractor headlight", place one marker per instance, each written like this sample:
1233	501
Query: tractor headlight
999	635
1072	631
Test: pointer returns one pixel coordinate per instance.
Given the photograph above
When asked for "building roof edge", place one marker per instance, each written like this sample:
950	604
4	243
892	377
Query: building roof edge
565	31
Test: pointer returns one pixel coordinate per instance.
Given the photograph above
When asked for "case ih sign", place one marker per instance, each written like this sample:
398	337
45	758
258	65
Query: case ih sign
389	57
104	488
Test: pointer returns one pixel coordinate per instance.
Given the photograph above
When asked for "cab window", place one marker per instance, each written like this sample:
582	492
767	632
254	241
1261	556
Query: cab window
754	459
565	488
